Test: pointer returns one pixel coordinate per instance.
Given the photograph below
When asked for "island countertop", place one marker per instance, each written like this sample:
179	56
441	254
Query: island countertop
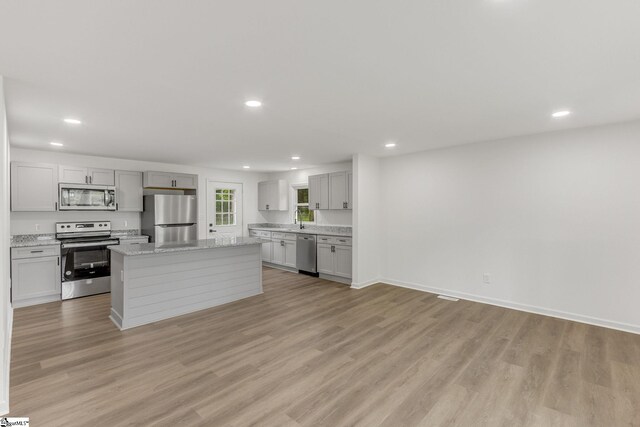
193	245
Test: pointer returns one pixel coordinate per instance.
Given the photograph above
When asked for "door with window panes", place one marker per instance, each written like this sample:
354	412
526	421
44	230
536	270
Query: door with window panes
224	209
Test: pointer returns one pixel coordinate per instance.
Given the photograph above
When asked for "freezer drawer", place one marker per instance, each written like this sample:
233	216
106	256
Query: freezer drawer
175	233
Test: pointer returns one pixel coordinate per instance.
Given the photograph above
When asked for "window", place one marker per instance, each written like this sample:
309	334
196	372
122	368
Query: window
302	204
225	207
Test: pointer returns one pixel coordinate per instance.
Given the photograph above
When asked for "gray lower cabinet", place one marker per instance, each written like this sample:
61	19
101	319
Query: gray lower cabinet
34	187
283	250
129	191
334	256
35	275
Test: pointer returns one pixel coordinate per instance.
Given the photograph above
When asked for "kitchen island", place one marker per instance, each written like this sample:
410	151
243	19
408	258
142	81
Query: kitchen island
157	281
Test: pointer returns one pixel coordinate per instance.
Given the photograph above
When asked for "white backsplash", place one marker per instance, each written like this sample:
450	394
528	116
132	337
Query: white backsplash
44	222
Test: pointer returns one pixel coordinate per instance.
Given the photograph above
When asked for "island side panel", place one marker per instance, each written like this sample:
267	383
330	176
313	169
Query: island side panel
117	289
165	285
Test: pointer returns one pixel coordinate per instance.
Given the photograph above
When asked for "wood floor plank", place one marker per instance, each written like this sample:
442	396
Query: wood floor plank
310	352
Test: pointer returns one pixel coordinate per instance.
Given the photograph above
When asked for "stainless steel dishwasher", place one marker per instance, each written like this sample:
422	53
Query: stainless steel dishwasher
306	253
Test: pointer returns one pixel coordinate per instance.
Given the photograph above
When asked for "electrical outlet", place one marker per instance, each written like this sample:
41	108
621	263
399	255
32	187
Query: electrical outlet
37	227
486	278
126	223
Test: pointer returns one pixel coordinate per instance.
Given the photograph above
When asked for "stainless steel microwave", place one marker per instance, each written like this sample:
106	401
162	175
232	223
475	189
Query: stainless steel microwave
80	197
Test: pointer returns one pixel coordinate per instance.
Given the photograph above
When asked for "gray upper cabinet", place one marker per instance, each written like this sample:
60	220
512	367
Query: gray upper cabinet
319	192
153	179
82	175
129	191
331	191
34	187
273	195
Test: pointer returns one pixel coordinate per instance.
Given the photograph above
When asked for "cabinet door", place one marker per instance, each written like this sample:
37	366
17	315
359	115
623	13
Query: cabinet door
342	261
325	259
73	175
277	251
34	187
186	181
263	196
319	192
128	191
349	190
266	252
290	253
158	179
338	190
35	278
101	177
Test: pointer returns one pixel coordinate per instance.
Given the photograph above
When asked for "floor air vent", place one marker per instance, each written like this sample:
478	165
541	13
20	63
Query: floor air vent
448	298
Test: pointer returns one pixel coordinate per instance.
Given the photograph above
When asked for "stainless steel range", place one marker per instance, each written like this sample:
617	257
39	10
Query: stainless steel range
86	260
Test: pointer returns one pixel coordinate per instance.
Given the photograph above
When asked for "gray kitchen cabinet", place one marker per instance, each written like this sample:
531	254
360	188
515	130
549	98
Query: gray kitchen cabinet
34	187
325	262
343	257
338	190
334	256
273	195
83	175
290	253
101	176
331	191
35	275
319	192
153	179
283	249
128	191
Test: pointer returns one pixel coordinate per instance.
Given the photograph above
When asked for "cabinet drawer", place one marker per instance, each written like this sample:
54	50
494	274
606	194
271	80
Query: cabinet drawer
335	240
260	233
35	251
283	236
134	241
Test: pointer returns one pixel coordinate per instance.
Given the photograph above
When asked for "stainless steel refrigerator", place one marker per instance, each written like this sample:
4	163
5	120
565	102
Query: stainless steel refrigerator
168	218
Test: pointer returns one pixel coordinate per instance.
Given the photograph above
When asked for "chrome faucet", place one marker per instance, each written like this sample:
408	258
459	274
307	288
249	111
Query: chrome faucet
295	218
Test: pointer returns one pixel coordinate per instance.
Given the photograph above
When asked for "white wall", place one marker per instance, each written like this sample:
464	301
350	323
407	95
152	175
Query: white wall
6	314
323	217
553	218
367	222
24	222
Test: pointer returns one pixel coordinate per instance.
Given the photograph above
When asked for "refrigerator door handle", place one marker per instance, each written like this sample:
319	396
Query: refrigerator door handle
176	225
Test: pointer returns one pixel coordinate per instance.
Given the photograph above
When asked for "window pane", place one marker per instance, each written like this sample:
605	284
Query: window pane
218	219
303	195
306	214
232	219
218	207
232	208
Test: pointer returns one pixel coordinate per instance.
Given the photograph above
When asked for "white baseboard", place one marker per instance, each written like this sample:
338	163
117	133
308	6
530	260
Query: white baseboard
366	283
626	327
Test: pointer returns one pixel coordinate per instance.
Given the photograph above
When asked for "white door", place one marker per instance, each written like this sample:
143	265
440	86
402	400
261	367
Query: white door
325	258
338	190
101	176
224	209
343	261
73	175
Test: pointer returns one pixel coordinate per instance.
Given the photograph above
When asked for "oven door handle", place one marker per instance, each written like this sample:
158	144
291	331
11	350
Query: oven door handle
90	244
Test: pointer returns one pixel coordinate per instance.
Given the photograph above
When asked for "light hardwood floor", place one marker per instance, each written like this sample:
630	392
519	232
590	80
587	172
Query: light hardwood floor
316	353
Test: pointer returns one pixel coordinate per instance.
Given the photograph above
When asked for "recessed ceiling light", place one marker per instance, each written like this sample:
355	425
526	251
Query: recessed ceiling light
246	167
293	169
253	103
57	144
390	145
73	121
295	157
559	114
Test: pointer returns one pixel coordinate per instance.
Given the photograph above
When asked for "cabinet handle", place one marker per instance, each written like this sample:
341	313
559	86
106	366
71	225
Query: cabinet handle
58	260
267	207
56	205
281	242
36	252
116	206
333	248
90	180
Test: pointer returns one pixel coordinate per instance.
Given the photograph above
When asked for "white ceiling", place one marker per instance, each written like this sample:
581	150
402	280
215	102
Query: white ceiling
167	80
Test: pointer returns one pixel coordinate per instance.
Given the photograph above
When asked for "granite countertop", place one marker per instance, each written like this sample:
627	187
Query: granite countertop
194	245
302	231
24	241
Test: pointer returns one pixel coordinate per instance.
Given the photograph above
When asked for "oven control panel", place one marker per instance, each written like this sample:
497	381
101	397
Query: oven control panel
83	227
